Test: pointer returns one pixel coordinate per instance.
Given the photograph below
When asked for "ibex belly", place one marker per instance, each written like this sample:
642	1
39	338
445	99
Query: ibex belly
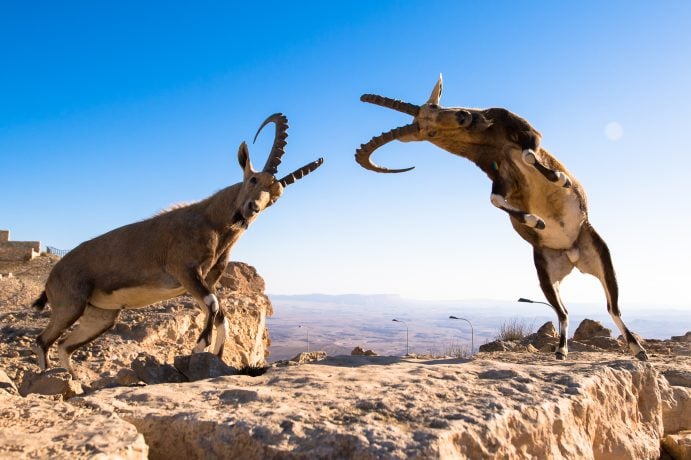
559	207
561	212
133	297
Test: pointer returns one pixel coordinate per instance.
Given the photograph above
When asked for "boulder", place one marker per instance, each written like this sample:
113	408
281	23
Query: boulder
41	427
682	338
306	357
678	445
589	329
358	351
678	377
200	366
500	345
6	384
149	370
56	381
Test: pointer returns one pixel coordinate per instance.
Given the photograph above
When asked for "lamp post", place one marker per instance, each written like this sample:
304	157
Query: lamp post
523	299
472	333
407	352
308	337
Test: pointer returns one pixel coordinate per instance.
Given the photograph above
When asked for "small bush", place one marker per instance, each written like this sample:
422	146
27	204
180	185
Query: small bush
515	329
456	350
253	371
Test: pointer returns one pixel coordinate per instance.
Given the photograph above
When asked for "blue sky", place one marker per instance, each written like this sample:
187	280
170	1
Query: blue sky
111	112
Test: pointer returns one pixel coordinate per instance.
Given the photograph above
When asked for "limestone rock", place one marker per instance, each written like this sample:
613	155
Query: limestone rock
242	279
56	381
6	384
358	351
548	330
199	366
678	377
497	345
149	370
40	427
676	410
589	329
424	409
604	343
678	445
682	338
306	357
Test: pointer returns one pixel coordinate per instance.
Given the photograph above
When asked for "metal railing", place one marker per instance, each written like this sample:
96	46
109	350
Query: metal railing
56	251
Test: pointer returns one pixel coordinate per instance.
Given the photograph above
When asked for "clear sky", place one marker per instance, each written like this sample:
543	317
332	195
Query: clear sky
111	111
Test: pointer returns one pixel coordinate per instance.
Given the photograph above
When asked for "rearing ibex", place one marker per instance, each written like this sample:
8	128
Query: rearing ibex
546	204
182	250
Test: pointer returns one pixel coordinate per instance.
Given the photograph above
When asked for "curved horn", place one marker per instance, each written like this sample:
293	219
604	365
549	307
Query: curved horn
405	107
363	154
436	93
302	172
277	151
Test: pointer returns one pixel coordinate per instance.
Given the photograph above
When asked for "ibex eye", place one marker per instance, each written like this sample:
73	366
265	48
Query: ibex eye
253	180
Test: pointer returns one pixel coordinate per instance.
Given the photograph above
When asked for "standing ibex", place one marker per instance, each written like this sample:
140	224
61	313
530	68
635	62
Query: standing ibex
182	250
546	204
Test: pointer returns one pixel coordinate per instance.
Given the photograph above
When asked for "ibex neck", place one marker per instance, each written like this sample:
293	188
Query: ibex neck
223	211
484	156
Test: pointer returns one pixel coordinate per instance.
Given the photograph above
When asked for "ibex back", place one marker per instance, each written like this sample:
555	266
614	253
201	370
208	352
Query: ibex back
546	204
184	250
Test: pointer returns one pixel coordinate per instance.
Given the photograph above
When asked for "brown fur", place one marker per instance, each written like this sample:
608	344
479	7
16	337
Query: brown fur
546	204
183	249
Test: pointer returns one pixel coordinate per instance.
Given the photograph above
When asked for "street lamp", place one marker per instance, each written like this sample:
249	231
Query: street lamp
523	299
407	353
472	333
308	337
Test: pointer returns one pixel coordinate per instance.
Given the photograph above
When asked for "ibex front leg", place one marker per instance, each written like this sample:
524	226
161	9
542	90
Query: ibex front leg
559	178
498	199
195	284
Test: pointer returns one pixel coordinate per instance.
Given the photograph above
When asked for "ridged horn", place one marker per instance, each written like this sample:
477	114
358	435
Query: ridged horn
302	172
363	154
405	107
277	151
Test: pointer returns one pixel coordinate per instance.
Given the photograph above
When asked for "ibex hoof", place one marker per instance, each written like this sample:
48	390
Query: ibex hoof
529	157
560	356
563	180
533	221
642	355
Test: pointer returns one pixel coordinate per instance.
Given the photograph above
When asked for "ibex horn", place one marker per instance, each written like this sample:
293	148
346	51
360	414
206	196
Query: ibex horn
405	107
277	151
302	172
363	154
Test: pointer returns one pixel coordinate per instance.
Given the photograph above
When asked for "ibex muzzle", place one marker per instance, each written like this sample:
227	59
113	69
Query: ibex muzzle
183	250
545	202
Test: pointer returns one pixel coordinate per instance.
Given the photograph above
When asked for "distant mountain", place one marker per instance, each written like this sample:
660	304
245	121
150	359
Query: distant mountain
382	300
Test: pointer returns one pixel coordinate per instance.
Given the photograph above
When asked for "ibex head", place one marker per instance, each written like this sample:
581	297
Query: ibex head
261	189
455	129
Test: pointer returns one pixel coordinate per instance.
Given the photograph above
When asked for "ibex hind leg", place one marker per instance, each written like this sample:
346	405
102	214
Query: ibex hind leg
94	322
64	313
222	329
552	266
596	260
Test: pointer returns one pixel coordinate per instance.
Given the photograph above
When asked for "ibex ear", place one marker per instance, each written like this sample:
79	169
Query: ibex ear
244	160
435	97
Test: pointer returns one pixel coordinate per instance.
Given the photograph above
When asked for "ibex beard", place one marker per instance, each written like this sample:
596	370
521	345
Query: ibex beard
184	250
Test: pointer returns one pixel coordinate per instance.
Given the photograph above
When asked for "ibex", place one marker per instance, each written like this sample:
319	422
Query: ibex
546	204
184	250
